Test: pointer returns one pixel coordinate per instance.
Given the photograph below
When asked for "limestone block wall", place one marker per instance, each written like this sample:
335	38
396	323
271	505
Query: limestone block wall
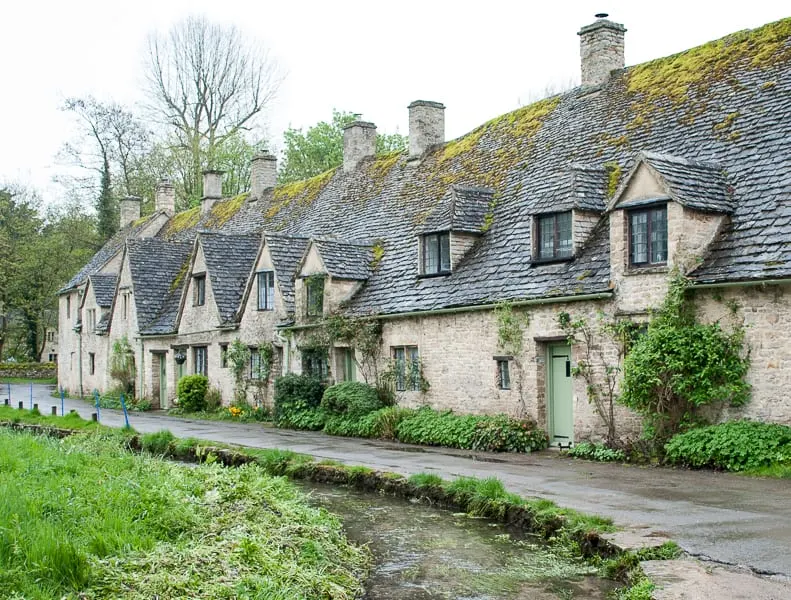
95	344
69	342
583	222
460	244
765	312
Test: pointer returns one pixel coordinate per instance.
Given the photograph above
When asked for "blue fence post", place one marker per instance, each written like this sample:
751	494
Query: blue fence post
126	414
98	413
62	403
31	395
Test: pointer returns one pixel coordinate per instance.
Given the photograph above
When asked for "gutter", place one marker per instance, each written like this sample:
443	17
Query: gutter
476	308
738	284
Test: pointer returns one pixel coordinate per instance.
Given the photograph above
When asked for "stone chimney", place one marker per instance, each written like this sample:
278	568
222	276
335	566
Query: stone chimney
212	189
165	198
263	174
130	210
601	50
426	126
359	142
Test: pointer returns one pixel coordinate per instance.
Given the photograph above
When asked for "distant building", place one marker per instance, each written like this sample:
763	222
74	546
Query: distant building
581	202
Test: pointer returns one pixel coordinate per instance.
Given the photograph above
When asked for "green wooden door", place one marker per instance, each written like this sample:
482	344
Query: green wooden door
163	381
561	410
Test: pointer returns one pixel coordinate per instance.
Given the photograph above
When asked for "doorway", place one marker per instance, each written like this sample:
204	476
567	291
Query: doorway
560	394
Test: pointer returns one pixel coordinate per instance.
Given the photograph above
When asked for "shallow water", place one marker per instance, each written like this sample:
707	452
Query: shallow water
421	552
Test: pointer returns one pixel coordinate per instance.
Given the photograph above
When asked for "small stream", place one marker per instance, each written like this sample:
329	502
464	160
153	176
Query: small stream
421	552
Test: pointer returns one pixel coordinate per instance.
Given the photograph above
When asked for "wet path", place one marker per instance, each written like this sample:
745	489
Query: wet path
729	518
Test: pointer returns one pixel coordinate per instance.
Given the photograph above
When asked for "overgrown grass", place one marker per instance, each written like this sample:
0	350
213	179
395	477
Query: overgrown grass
33	417
25	380
85	517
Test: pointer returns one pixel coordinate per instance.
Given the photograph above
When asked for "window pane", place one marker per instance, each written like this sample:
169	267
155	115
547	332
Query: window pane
503	374
564	234
414	368
255	364
400	368
659	235
445	252
270	291
431	254
546	237
261	291
639	237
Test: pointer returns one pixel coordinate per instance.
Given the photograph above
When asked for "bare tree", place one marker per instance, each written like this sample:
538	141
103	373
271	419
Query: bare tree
208	82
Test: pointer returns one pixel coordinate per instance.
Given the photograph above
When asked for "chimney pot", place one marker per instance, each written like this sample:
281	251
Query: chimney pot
129	210
426	126
601	50
359	142
212	189
263	174
165	198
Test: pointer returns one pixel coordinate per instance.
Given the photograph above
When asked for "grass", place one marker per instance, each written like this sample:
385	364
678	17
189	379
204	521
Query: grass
33	417
25	380
84	517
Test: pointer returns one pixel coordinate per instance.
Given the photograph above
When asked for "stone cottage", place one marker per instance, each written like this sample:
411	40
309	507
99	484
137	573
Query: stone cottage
580	203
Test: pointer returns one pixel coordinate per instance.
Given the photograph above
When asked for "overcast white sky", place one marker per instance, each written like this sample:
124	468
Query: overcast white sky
480	59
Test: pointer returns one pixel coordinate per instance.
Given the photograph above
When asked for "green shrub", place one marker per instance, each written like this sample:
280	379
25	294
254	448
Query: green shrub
733	446
383	423
213	400
599	452
294	396
192	393
498	433
157	443
351	398
501	433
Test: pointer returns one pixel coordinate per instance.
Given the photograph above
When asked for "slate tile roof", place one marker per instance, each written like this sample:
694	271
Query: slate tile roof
582	187
286	253
463	209
725	105
229	261
698	185
346	260
104	289
110	248
157	269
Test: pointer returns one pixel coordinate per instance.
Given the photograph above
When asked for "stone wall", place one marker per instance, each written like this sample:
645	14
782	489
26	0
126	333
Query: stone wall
28	370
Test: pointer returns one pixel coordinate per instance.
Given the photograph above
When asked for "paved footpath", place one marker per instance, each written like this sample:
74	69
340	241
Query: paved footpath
727	518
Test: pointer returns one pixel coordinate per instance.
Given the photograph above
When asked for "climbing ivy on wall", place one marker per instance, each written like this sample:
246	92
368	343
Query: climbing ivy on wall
680	365
511	326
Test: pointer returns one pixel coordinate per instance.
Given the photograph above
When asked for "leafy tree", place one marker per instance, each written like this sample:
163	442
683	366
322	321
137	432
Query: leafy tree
320	147
680	365
207	83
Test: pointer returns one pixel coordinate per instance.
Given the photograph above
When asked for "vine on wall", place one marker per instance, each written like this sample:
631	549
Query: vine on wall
511	326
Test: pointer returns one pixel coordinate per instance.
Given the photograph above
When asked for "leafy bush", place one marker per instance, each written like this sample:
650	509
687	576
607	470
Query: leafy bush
599	452
350	398
501	433
680	365
213	400
157	443
295	395
733	446
498	433
192	393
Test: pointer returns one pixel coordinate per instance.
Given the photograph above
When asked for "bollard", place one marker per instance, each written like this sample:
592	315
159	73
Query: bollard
94	417
54	411
21	405
35	406
73	411
6	401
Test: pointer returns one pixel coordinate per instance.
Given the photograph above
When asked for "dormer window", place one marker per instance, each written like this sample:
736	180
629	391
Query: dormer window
436	253
648	236
199	284
553	236
314	296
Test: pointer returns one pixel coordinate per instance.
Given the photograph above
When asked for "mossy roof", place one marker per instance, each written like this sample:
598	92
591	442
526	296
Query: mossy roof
727	103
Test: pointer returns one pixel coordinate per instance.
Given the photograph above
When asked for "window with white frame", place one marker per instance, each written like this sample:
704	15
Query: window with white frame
266	290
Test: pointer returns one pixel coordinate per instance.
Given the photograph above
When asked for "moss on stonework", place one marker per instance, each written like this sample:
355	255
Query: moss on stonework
613	177
676	77
182	221
141	220
222	211
302	192
382	165
180	275
768	85
378	252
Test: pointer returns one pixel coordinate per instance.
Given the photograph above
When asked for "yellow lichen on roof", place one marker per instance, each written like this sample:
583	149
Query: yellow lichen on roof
180	275
673	77
181	221
302	192
223	210
381	166
141	220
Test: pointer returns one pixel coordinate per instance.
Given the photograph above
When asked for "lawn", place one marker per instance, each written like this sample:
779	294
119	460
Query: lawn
84	518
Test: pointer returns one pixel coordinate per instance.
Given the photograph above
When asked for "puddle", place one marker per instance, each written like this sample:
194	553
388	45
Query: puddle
422	552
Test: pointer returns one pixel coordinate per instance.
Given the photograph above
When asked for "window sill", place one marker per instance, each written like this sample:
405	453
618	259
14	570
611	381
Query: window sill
430	275
265	309
549	261
647	270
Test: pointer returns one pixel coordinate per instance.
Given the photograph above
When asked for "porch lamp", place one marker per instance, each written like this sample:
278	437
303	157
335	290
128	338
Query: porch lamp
180	357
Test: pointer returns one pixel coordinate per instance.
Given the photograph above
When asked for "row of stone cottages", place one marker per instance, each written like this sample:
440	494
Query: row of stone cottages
581	202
